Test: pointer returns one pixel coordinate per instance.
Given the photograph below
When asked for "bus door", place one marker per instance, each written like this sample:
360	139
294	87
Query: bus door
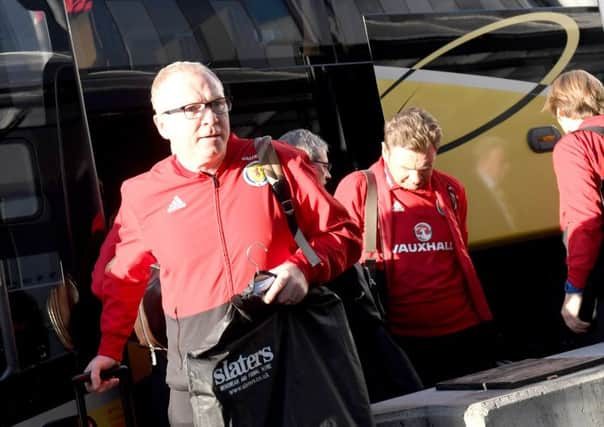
484	74
49	209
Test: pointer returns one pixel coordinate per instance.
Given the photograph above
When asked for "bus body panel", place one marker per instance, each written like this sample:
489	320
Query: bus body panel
484	76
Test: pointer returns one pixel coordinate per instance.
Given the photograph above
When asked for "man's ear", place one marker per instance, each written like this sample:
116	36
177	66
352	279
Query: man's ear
160	124
385	151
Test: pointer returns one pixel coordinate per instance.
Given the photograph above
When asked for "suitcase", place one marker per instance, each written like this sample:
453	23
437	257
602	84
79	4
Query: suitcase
123	373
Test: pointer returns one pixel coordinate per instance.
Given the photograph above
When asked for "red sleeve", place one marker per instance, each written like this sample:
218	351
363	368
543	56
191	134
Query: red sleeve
77	6
580	207
323	220
352	193
106	254
124	284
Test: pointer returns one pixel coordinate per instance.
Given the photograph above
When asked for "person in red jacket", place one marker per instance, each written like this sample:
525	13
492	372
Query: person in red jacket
576	98
208	217
436	308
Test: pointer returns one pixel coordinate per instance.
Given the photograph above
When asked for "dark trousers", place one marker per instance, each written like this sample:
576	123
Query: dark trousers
450	356
160	392
593	296
152	395
595	333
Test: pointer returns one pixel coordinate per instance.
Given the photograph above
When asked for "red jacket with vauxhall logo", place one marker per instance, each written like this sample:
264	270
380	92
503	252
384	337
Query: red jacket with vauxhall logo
433	288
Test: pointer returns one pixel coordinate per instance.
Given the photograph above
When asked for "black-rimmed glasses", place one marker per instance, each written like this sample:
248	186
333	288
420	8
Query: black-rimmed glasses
327	165
196	109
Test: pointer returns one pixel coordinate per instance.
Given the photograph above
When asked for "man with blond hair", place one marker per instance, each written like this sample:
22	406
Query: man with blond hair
576	99
196	214
436	307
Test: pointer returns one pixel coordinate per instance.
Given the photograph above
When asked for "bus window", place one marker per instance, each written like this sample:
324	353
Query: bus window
262	34
25	30
145	34
426	6
347	16
18	199
175	33
141	40
246	38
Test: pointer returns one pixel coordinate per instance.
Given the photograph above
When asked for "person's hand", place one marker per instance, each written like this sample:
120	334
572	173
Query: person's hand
96	365
570	313
289	287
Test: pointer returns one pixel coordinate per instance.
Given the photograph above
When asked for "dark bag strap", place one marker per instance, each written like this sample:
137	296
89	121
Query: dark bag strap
371	220
597	129
274	174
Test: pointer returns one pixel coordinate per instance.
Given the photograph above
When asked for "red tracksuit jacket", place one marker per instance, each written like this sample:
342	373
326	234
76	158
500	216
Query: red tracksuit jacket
579	165
199	227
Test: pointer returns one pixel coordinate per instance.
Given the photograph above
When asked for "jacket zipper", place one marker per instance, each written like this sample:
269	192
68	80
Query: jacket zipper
182	360
223	246
226	258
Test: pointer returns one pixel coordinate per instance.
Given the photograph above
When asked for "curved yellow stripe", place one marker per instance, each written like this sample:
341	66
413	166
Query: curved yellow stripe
567	23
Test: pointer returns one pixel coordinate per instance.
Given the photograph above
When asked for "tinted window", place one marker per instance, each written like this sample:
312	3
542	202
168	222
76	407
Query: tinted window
21	29
347	26
522	49
48	189
145	34
18	198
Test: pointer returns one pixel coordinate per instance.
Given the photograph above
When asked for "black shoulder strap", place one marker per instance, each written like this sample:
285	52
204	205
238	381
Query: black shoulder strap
274	174
597	129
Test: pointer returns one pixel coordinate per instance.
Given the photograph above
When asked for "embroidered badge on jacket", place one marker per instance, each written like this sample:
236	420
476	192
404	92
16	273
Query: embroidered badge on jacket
253	174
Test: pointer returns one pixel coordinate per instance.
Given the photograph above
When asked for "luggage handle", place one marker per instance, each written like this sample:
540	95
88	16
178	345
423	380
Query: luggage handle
123	373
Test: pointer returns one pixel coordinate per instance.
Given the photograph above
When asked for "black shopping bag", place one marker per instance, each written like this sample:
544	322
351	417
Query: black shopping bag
387	370
282	366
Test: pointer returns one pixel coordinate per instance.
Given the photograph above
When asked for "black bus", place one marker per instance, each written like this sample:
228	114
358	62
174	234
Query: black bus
76	120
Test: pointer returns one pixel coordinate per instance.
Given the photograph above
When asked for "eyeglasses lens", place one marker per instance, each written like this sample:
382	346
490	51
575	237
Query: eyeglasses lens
218	106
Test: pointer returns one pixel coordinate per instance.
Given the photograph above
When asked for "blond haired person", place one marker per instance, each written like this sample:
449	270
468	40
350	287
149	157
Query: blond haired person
576	98
436	307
